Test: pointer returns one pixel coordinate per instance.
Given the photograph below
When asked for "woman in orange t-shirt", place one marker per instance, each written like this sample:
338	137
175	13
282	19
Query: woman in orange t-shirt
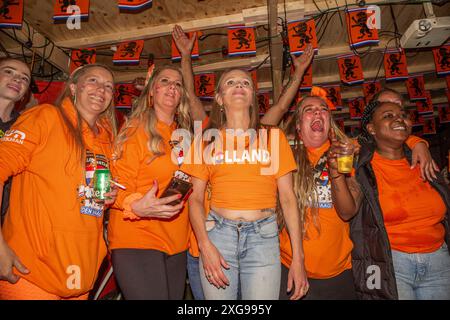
53	231
148	235
238	241
400	231
327	241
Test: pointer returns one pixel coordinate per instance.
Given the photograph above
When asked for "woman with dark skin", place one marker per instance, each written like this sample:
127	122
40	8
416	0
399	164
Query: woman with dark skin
400	222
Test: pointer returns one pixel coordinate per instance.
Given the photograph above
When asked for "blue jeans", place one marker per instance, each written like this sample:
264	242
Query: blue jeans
423	276
252	251
194	277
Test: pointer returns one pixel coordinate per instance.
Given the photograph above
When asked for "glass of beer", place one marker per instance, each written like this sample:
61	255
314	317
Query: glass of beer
345	157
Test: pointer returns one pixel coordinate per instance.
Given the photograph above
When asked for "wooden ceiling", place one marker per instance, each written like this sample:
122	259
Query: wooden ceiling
107	27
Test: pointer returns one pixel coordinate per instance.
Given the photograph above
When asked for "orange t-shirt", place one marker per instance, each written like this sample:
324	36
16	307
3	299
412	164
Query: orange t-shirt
412	209
53	224
244	179
328	253
136	173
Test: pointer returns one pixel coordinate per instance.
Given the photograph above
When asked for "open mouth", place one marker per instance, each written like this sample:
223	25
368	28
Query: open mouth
317	126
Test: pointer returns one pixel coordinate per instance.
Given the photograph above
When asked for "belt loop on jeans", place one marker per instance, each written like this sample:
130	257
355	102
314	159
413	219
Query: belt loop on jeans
217	218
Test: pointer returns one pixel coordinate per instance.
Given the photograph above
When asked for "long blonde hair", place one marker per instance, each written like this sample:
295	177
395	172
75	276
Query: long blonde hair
144	112
107	118
218	117
304	182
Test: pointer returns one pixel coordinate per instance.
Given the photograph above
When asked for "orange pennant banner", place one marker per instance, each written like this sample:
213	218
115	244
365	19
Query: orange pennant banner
429	124
395	65
63	9
81	57
11	14
416	88
414	116
370	89
300	34
241	41
444	113
359	33
128	52
356	108
205	85
263	102
350	69
442	59
425	106
334	95
134	5
124	95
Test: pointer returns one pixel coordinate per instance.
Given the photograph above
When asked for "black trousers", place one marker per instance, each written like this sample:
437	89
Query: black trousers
149	274
340	287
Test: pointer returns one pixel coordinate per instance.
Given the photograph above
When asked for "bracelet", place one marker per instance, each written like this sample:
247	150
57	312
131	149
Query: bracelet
127	212
338	176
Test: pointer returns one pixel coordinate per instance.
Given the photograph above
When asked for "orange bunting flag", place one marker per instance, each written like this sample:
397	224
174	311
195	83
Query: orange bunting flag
356	108
63	9
414	116
442	59
11	14
81	57
416	88
425	106
241	41
300	34
205	84
176	55
444	113
334	95
128	52
306	83
350	69
124	95
254	78
395	65
370	89
263	102
359	33
429	124
134	5
339	120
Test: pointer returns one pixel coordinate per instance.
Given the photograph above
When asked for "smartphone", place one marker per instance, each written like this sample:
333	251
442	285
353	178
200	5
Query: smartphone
177	186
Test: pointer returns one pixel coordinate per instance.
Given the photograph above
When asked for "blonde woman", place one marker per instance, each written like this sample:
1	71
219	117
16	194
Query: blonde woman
148	236
238	240
52	245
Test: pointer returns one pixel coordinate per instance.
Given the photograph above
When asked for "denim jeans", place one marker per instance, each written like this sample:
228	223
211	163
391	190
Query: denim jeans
252	251
194	277
423	276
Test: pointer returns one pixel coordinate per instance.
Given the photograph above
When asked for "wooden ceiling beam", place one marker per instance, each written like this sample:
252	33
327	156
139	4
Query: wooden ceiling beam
276	49
254	16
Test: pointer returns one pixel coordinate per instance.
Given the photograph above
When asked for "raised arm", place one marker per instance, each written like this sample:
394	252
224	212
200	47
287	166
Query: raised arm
185	45
345	191
276	112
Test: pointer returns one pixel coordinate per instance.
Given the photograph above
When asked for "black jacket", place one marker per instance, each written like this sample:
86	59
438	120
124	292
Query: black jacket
369	236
